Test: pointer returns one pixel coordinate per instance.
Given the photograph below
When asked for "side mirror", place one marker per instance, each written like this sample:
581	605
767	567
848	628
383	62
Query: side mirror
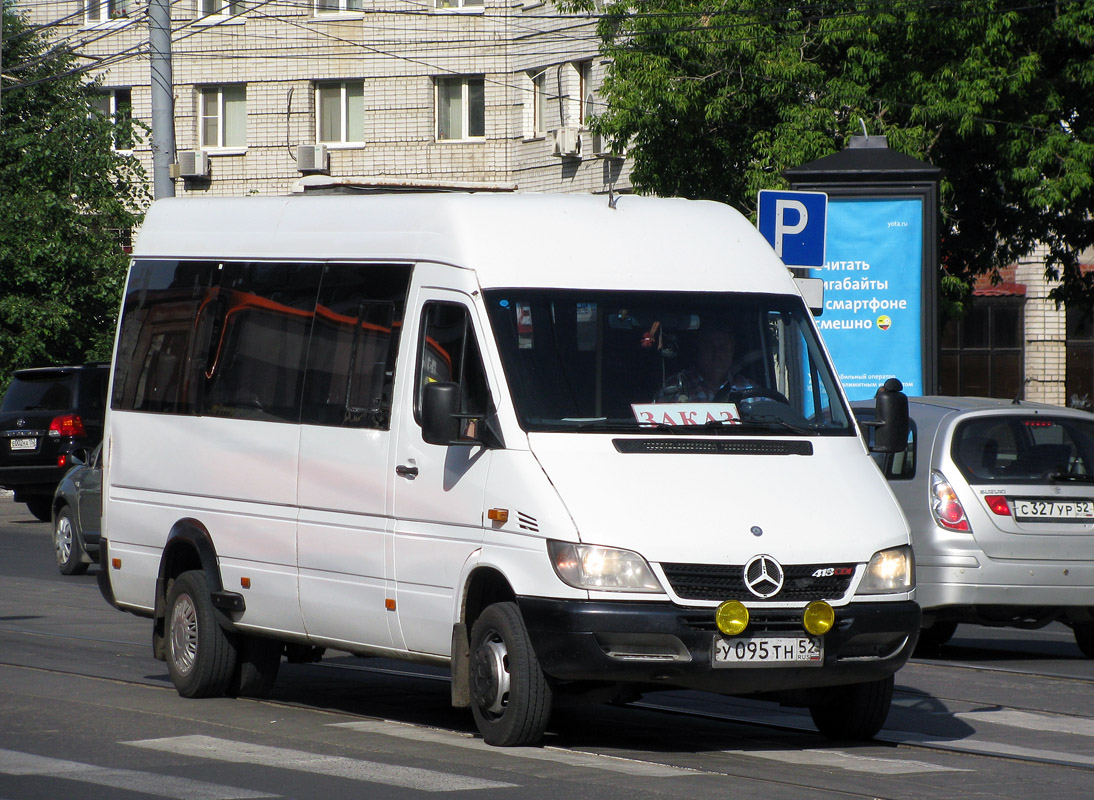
440	405
891	421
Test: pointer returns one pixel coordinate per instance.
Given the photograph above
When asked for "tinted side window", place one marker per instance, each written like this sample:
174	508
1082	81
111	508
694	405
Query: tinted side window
354	344
448	351
157	342
258	341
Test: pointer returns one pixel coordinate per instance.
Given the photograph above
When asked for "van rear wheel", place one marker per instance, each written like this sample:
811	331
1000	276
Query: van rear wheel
201	655
855	712
510	695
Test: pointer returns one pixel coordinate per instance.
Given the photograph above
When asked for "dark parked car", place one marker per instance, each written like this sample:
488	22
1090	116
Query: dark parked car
77	510
49	414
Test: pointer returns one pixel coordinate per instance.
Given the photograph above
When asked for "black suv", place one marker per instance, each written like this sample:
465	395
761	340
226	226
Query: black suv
49	413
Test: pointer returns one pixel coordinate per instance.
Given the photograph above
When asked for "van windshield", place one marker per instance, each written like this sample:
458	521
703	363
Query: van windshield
691	363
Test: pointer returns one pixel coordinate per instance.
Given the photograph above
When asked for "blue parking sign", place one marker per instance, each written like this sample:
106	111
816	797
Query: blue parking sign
794	225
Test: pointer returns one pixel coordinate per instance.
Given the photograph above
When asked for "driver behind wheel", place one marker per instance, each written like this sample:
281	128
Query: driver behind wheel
711	375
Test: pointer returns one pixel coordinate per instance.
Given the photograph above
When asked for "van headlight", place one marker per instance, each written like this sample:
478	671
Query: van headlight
889	571
587	566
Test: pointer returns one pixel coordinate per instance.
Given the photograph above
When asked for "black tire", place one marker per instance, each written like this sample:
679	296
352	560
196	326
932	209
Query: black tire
201	655
856	712
510	696
41	508
256	671
1084	637
931	639
67	546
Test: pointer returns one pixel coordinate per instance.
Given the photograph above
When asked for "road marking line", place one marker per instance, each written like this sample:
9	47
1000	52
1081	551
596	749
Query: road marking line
151	783
989	748
840	759
1030	721
571	758
354	769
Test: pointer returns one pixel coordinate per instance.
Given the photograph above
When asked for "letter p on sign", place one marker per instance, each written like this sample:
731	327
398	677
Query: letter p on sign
794	225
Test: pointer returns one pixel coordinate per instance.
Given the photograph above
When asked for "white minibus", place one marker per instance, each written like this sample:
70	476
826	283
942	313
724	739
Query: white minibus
562	445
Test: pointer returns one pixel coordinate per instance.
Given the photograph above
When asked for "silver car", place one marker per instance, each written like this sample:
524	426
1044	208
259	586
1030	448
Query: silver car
1000	499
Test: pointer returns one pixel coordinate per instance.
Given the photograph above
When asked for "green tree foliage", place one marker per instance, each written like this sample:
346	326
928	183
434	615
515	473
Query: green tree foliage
717	97
67	202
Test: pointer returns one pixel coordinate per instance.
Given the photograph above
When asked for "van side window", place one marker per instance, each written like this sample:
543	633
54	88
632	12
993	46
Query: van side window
258	340
155	346
448	351
354	344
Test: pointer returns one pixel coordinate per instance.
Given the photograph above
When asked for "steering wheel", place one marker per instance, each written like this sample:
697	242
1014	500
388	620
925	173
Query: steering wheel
728	394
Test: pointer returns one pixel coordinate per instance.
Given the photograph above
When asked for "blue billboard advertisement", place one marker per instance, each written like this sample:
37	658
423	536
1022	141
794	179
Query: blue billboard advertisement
873	280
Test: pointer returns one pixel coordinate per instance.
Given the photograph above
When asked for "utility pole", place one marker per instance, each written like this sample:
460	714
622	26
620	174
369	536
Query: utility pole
163	98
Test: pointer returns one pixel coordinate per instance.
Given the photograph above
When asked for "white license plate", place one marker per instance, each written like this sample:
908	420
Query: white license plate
1054	509
24	444
761	650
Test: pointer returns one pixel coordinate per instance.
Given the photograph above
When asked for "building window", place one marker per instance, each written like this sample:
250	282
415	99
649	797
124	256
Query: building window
585	81
221	8
981	355
1080	358
224	116
461	108
458	5
338	6
117	106
539	103
103	10
340	112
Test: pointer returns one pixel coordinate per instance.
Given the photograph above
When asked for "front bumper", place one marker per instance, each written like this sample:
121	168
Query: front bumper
660	644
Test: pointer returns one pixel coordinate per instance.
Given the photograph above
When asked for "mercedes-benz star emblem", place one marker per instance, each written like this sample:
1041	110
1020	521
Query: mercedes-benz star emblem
764	576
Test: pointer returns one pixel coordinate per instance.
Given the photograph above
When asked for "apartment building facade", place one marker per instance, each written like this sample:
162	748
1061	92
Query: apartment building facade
270	95
495	95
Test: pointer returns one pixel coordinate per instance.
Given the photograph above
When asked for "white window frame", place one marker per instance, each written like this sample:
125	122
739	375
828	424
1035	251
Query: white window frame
538	81
222	9
112	114
219	145
585	86
460	6
109	12
344	7
465	107
344	114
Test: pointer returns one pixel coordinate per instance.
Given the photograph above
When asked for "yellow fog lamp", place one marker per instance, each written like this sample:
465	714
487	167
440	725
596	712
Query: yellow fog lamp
819	617
731	617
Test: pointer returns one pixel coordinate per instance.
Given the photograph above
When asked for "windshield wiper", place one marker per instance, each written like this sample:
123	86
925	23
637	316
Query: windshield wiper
774	423
1068	477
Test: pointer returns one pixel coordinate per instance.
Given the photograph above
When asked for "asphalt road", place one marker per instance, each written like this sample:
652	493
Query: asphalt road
86	712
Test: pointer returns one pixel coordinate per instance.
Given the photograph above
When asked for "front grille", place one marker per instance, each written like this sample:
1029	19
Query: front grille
802	582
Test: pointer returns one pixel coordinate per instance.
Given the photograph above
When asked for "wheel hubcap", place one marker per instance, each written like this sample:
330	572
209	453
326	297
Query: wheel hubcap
62	540
490	677
183	635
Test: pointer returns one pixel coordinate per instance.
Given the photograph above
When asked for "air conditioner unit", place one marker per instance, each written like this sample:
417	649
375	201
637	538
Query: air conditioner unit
602	149
567	141
193	163
312	158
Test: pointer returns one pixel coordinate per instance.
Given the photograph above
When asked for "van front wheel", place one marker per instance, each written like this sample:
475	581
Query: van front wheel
201	655
853	712
510	696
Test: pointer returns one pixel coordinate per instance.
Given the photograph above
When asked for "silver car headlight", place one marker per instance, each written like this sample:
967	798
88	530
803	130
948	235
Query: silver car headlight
889	571
595	568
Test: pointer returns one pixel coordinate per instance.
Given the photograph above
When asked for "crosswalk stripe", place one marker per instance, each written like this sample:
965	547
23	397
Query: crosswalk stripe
1030	721
991	749
354	769
16	763
843	760
571	758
